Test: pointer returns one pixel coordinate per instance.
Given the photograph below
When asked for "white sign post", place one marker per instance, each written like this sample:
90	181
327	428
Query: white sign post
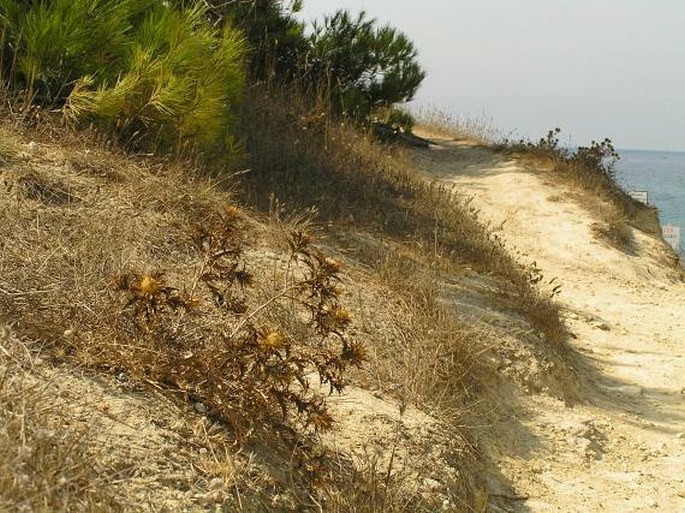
641	196
672	236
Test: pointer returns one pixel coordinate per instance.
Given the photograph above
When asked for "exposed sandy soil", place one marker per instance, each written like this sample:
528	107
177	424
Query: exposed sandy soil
622	448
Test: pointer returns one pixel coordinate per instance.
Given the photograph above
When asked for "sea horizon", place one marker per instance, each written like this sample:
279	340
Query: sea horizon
619	150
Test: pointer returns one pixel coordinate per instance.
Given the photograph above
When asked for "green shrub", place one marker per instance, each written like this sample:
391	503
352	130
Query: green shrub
275	36
400	120
49	45
181	81
160	77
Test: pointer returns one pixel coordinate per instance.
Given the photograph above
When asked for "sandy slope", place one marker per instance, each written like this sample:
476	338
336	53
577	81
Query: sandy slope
623	448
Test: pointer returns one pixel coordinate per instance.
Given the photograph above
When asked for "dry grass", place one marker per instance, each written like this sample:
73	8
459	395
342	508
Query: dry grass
480	130
423	354
73	443
602	196
174	247
305	159
9	150
75	216
45	464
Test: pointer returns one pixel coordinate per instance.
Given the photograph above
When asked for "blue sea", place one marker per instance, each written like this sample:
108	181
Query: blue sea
662	175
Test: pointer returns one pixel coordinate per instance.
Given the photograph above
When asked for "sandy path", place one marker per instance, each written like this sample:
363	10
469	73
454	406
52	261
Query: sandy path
624	448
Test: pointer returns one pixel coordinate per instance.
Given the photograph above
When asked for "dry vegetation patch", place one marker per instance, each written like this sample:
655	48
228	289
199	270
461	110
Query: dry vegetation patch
306	159
76	442
147	269
151	274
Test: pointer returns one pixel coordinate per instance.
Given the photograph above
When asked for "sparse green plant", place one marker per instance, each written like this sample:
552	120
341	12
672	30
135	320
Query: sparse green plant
601	156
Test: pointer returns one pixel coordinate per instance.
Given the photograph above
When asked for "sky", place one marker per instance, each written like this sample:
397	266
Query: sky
594	68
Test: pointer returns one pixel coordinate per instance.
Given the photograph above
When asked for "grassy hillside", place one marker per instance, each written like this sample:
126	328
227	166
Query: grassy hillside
225	296
170	279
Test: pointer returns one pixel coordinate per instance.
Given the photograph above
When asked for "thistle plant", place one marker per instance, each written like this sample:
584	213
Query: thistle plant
255	372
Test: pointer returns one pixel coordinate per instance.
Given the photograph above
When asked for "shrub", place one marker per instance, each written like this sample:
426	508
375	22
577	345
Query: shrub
398	119
276	37
598	157
160	77
253	373
181	80
49	45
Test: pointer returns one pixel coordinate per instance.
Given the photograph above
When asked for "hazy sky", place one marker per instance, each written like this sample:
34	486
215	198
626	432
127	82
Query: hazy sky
595	68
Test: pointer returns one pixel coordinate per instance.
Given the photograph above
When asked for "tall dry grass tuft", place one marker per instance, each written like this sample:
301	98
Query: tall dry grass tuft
479	129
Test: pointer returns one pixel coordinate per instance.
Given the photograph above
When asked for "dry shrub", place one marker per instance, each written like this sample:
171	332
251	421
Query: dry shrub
204	337
251	373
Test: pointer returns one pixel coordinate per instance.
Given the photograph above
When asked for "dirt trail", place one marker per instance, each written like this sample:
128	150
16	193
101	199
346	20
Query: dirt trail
623	448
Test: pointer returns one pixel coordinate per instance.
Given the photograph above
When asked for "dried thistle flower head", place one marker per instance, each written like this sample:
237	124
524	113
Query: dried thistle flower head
272	340
300	241
339	318
148	286
355	353
231	212
331	266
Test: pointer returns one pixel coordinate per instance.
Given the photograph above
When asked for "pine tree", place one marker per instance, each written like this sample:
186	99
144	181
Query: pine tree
366	66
